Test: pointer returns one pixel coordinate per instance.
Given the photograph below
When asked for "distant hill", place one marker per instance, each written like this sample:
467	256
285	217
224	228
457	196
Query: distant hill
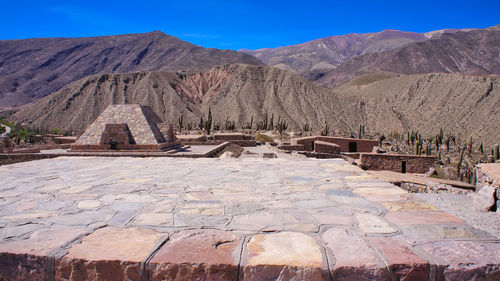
312	59
475	52
233	91
33	68
383	102
462	105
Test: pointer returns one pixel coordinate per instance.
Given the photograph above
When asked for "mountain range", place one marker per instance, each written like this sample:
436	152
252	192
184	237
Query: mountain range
313	59
383	102
388	81
475	52
33	68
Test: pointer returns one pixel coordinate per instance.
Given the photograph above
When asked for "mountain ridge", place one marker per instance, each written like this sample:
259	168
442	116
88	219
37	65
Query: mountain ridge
475	52
33	68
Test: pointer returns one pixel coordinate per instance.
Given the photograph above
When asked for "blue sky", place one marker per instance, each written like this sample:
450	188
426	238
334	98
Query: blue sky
233	24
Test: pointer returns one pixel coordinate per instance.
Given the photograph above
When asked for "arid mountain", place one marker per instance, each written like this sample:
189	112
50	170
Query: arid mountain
461	105
314	58
33	68
237	92
475	52
383	102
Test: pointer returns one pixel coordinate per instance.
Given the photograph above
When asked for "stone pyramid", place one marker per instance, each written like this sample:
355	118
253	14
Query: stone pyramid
124	127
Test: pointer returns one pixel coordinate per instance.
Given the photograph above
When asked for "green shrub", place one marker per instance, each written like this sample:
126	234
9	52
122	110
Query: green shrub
263	138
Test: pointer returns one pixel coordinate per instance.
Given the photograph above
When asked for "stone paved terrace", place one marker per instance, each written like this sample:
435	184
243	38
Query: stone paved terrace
102	218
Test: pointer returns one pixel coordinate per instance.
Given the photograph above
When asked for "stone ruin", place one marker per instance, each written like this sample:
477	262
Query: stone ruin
125	127
6	145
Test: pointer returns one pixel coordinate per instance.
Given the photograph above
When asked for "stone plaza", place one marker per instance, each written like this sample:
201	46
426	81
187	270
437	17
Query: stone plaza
124	218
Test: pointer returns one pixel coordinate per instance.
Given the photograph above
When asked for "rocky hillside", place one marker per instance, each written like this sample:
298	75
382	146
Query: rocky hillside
33	68
314	58
237	92
475	52
383	102
461	105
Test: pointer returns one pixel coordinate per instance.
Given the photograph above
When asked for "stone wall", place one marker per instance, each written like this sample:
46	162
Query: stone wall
7	159
396	162
361	145
326	147
232	137
6	145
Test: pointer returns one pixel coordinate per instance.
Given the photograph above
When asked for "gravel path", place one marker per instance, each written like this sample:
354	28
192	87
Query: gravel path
461	207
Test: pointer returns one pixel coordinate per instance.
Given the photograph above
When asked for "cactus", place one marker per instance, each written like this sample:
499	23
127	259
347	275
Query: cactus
229	125
281	126
271	123
459	164
326	130
496	152
469	145
306	127
181	123
481	148
474	176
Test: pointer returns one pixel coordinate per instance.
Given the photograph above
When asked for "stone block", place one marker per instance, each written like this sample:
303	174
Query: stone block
27	259
364	265
198	255
404	264
484	199
108	254
465	260
284	256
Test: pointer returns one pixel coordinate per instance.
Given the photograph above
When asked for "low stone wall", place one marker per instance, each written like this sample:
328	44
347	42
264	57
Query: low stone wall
243	143
6	159
326	147
345	144
397	163
295	147
64	140
27	150
232	137
124	147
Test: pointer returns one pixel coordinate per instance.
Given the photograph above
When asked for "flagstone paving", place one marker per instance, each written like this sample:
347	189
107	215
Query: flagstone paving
103	218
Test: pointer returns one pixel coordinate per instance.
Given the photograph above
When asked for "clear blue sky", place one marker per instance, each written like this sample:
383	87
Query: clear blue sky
233	24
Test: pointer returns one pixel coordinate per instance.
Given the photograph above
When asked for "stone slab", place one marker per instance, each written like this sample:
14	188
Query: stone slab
382	194
198	255
372	224
408	206
422	233
410	218
283	256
